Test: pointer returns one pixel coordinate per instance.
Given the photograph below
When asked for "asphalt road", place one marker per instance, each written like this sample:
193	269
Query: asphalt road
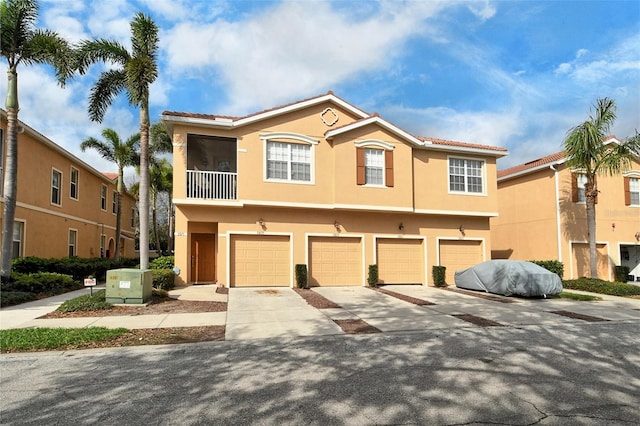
570	374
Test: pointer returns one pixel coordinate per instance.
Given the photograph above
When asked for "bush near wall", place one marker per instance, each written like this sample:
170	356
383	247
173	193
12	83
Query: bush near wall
622	272
79	268
551	265
22	288
162	262
163	279
373	278
301	275
595	285
439	273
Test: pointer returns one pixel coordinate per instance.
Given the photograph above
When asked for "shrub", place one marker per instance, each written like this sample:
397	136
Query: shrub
551	265
301	275
372	278
603	287
163	279
159	293
43	283
78	268
10	298
162	262
621	273
439	273
87	302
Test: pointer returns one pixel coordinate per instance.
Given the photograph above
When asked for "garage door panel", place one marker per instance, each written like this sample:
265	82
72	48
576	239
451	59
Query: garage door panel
335	261
458	255
260	260
400	261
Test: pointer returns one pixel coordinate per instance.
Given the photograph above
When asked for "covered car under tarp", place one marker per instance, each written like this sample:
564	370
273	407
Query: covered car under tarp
509	277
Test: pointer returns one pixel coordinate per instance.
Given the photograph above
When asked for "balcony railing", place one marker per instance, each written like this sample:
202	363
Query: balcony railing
212	185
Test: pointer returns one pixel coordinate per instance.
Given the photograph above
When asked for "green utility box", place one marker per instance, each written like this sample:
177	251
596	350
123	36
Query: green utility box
126	286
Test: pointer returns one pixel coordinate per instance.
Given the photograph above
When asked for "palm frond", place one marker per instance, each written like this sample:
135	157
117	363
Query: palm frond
144	36
46	46
89	52
160	141
105	151
106	88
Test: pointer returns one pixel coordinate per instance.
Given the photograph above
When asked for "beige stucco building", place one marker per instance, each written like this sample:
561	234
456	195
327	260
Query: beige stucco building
543	217
320	182
64	206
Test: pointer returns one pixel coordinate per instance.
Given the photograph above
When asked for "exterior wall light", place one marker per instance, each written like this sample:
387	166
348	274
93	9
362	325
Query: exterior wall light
261	222
462	230
337	225
401	226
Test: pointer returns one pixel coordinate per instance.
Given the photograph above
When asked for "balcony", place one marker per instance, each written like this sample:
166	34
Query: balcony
212	185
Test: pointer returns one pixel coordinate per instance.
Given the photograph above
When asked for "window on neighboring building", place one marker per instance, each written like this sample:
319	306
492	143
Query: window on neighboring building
466	175
373	166
632	191
582	183
133	217
114	204
18	239
102	243
56	184
73	239
103	197
73	183
288	161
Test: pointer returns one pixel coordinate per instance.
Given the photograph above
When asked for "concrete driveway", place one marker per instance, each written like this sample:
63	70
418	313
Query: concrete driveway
279	312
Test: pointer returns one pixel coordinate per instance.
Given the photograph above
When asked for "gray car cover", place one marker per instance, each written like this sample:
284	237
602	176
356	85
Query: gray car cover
509	277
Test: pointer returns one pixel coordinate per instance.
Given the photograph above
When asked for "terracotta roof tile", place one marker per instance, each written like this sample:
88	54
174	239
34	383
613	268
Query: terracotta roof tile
437	141
110	176
196	115
552	158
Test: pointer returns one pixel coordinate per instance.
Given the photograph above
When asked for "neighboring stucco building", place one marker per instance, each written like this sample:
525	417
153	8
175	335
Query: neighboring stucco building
64	206
321	182
543	217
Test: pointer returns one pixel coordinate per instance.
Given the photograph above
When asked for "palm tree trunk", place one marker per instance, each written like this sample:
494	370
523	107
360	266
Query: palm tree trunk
591	194
10	173
170	227
144	185
154	218
118	226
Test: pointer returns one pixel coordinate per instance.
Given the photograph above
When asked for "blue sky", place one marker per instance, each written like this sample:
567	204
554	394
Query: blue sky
516	74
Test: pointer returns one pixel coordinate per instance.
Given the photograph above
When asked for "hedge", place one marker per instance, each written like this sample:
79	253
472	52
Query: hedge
163	279
551	265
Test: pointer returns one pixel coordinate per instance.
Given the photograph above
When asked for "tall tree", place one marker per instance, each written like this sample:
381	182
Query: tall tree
135	71
22	42
587	152
124	154
160	143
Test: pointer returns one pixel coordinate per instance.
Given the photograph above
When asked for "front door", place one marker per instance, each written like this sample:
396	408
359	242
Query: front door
203	257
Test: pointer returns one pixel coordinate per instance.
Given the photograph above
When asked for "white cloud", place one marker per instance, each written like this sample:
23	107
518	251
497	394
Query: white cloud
483	10
563	68
292	50
581	52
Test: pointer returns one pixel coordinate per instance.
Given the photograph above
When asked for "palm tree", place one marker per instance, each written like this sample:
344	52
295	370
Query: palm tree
135	71
160	143
587	152
160	181
22	42
123	154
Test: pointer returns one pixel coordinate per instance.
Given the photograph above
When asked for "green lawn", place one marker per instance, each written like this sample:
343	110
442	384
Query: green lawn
576	296
28	339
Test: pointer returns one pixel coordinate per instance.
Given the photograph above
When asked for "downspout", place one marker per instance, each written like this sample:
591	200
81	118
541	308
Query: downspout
558	225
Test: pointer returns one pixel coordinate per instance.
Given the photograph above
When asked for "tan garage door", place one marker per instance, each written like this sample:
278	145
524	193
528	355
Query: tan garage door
580	261
400	261
260	260
335	261
458	255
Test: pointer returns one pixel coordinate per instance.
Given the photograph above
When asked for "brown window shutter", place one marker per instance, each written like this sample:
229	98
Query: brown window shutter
360	174
574	187
388	168
627	191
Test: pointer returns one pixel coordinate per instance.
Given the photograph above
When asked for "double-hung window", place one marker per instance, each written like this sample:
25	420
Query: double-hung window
103	197
73	183
114	204
374	166
73	239
17	242
632	191
582	183
56	185
466	175
288	161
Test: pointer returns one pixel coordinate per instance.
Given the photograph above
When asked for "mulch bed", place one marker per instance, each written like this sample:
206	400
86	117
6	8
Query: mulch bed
414	300
576	315
356	326
316	300
492	297
482	322
157	306
222	290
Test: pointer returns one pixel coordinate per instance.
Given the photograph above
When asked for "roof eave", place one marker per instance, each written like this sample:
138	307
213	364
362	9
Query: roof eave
467	150
532	170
